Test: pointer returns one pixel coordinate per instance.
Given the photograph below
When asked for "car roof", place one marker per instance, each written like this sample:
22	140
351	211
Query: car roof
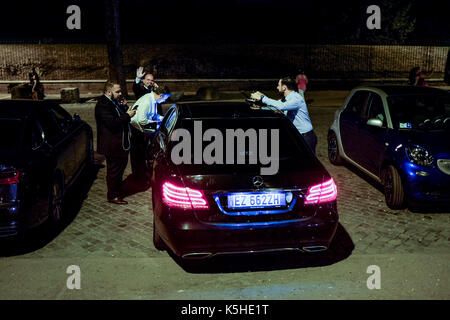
20	108
404	89
224	109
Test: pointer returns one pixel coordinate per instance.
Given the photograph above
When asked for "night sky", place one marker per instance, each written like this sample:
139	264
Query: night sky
231	21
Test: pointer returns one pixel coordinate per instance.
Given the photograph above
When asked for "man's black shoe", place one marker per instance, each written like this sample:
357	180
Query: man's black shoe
117	200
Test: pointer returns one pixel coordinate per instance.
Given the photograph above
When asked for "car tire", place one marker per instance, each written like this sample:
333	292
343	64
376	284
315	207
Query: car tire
333	150
56	201
393	188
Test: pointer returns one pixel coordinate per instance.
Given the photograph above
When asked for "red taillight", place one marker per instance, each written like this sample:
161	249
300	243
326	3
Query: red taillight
10	177
185	198
320	193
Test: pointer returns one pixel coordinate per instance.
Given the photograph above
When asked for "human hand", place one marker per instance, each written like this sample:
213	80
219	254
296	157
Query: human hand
256	95
155	85
122	101
140	72
131	112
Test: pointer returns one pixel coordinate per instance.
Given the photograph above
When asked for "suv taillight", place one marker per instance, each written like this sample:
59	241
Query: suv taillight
180	197
321	193
10	176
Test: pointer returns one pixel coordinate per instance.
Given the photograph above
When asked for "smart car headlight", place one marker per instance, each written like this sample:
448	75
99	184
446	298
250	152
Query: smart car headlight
419	156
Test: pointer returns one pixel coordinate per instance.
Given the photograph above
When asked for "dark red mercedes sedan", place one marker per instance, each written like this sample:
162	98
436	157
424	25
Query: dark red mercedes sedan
231	178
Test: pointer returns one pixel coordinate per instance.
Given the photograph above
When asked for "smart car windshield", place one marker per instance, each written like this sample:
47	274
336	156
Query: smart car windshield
423	112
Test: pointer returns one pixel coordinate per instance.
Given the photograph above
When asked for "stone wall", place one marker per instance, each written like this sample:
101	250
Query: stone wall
89	61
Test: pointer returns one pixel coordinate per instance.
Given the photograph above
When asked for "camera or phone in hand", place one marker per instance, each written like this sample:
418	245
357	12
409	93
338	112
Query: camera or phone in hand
257	102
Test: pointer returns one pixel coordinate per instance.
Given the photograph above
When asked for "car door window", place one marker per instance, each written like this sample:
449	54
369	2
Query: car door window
169	122
356	105
375	109
52	132
33	134
62	117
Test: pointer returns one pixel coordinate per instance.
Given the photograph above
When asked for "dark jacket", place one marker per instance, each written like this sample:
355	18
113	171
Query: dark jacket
139	89
112	129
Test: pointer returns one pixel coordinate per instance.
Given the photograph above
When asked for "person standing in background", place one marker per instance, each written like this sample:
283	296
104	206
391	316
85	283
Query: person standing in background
417	77
302	82
37	89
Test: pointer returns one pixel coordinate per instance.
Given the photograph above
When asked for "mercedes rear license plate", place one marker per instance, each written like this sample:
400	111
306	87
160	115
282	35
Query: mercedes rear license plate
256	200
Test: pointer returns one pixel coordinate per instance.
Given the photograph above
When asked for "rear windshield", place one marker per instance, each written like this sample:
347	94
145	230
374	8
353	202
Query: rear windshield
420	111
292	150
10	135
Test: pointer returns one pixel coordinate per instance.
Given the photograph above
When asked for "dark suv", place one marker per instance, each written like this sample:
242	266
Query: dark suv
42	152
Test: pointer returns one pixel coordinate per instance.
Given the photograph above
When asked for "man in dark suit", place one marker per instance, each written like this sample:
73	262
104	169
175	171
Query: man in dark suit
113	137
144	83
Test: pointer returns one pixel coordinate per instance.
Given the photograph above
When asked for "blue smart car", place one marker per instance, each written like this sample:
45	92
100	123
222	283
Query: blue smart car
400	136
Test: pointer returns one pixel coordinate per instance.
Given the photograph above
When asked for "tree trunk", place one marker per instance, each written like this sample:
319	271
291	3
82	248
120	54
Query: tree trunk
112	29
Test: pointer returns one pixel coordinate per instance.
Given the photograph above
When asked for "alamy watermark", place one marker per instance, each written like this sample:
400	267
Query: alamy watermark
74	20
374	20
74	280
220	152
374	281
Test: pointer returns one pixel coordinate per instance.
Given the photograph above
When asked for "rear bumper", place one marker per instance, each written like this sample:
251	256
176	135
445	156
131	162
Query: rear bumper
13	220
9	231
190	238
9	219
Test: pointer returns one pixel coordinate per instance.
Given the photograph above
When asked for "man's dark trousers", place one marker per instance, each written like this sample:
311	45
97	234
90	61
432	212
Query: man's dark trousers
115	167
311	139
137	157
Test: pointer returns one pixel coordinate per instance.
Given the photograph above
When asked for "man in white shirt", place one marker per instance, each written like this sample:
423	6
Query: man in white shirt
143	123
296	108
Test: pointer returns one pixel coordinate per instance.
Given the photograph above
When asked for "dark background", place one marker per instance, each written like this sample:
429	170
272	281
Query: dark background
231	21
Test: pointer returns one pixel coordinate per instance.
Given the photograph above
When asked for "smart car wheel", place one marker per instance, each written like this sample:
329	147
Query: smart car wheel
393	188
55	203
333	150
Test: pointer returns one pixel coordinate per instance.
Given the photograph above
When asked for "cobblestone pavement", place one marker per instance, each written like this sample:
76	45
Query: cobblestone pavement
101	229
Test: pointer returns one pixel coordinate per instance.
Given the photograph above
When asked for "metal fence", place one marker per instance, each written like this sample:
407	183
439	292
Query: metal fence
241	61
